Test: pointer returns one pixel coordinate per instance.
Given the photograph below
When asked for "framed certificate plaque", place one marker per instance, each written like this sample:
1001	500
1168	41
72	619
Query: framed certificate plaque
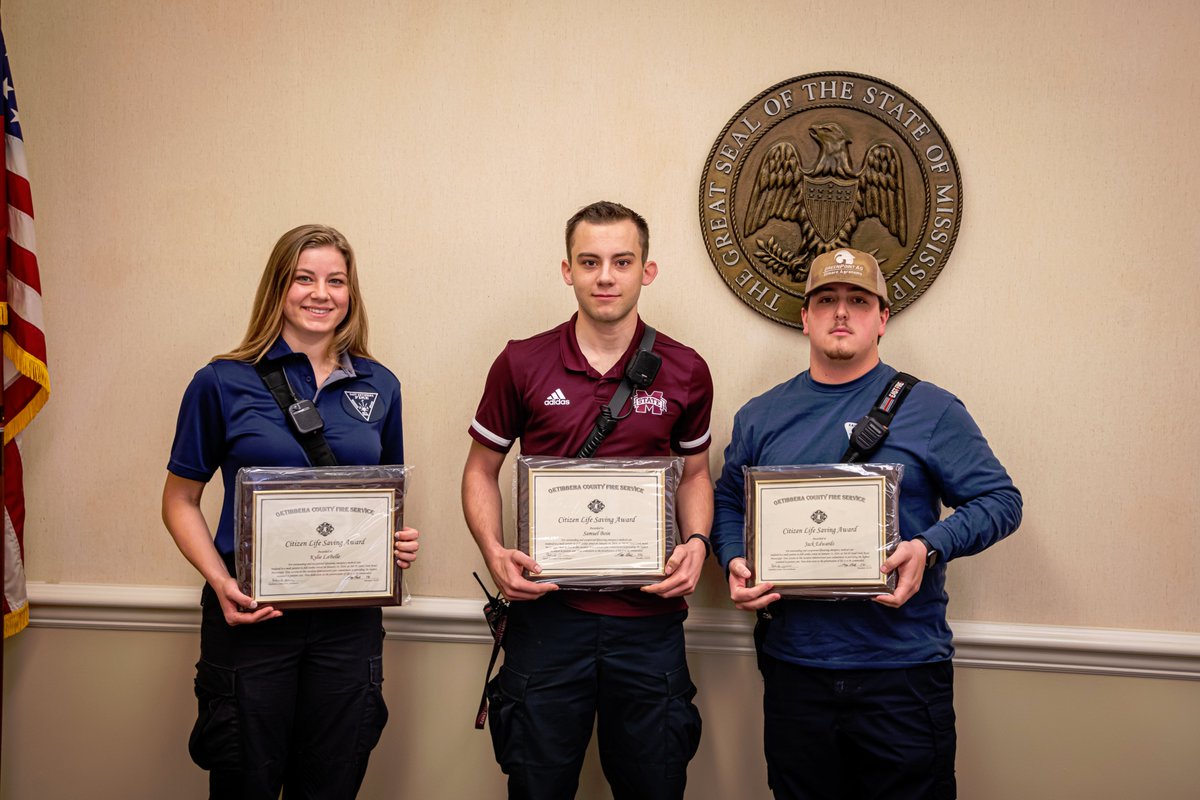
823	530
598	523
318	537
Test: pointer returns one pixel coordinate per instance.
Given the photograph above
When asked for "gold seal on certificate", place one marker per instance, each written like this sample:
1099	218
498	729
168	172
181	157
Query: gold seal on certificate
597	523
822	531
319	536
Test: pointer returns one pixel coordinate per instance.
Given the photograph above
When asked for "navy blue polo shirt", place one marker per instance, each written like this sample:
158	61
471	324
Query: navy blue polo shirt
228	420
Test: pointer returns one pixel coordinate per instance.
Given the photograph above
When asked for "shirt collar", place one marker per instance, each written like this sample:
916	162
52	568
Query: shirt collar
573	358
348	366
344	369
848	386
278	350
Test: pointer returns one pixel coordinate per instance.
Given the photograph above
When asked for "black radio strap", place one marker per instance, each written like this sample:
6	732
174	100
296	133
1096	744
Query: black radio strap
495	612
610	414
314	444
872	429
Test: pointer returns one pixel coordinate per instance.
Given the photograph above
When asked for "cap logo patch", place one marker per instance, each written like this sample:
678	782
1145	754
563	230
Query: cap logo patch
844	264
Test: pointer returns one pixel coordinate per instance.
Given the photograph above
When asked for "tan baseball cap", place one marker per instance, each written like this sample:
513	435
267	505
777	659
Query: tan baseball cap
845	265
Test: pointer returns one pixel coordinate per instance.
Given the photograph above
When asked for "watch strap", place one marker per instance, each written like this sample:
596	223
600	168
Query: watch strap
703	538
932	555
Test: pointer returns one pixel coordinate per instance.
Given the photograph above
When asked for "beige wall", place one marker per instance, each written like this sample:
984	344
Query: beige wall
170	144
121	702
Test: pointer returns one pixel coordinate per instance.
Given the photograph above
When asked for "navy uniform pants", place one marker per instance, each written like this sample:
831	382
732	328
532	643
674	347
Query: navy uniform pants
565	671
293	703
859	734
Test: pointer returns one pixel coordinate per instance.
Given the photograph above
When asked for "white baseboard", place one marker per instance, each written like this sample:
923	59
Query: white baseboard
1054	648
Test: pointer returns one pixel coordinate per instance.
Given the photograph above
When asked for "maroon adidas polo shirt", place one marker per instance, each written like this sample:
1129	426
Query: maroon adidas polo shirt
542	391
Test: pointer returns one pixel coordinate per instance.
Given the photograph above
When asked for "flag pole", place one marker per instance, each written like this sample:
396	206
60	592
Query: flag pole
3	550
3	571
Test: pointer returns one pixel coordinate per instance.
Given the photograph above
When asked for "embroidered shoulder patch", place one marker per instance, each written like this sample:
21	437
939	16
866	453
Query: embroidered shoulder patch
364	405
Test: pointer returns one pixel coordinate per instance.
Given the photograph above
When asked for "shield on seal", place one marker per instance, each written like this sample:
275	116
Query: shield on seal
829	201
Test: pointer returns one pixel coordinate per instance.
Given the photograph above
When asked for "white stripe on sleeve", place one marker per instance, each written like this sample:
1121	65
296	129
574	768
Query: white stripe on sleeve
696	442
491	437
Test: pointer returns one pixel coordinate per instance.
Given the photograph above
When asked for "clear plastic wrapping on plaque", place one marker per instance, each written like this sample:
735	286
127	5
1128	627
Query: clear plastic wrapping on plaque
597	523
822	530
315	537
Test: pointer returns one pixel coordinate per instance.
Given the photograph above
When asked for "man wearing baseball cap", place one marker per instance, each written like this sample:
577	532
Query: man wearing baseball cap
858	694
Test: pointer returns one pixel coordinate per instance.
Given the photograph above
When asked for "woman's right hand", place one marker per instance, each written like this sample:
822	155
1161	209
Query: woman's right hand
240	609
183	518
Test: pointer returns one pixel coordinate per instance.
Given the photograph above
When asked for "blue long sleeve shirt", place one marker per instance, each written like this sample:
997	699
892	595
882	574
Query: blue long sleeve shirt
947	462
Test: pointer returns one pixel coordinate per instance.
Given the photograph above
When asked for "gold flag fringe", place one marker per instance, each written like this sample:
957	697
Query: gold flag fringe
34	369
15	621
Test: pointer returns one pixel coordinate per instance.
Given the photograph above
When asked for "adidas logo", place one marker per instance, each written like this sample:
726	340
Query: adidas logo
557	398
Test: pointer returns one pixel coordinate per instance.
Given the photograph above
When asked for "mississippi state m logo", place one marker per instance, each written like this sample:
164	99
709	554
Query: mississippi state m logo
649	402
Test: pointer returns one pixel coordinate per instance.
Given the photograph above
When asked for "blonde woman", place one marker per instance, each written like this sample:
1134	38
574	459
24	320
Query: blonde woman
286	700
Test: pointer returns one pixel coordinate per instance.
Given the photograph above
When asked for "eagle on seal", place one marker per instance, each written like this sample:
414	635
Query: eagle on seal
828	202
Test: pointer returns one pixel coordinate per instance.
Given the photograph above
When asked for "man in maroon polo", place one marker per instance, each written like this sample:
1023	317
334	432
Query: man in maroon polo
573	656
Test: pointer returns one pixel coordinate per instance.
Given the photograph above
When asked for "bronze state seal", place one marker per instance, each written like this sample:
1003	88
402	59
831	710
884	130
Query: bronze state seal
822	161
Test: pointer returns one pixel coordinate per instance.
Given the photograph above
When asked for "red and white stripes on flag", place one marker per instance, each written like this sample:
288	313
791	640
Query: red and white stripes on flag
26	379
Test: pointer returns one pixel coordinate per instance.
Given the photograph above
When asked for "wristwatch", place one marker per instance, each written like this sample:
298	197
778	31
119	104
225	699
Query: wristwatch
703	538
931	553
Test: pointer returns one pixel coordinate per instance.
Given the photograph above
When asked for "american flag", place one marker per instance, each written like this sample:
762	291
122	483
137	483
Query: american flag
26	379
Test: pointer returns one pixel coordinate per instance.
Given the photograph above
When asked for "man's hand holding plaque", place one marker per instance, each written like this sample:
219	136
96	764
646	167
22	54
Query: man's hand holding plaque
602	524
821	531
